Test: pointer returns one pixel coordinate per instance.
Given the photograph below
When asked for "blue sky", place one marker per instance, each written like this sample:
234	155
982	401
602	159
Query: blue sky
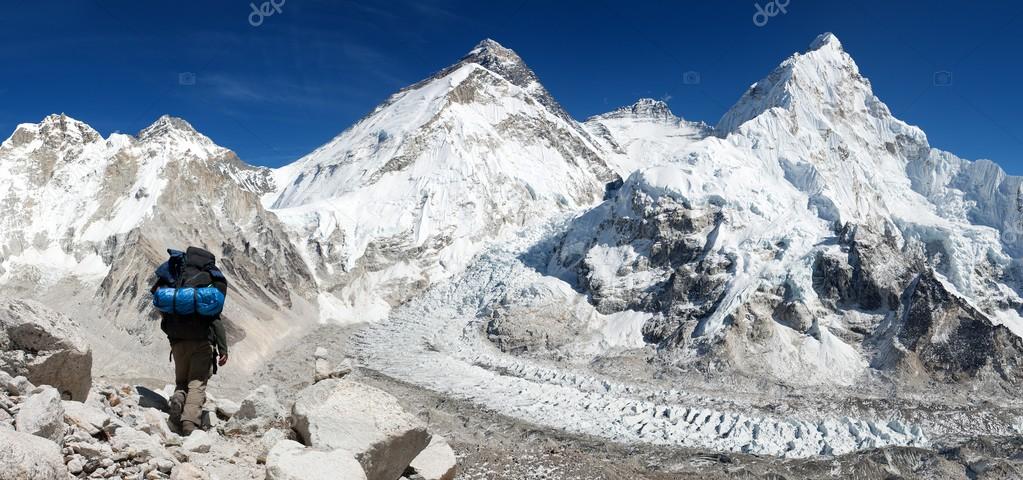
277	91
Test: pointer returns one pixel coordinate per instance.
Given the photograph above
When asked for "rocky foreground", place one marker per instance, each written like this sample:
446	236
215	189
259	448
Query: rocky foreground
337	428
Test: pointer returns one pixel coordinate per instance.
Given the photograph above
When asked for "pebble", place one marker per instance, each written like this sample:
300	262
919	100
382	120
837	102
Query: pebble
165	465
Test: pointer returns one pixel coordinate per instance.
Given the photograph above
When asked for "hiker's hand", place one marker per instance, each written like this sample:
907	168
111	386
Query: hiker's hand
222	360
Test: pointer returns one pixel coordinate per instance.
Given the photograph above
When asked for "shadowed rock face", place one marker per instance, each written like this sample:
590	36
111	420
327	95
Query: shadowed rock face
946	338
669	240
44	346
870	272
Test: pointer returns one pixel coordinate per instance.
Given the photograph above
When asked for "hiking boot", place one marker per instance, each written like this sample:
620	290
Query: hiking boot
187	428
177	405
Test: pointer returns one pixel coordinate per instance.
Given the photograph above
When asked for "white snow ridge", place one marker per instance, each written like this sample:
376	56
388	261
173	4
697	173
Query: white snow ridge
806	278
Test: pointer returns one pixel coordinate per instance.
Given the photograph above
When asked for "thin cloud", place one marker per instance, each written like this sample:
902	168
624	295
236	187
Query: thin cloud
434	10
261	89
232	88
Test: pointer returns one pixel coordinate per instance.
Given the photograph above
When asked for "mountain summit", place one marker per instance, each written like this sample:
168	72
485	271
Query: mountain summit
647	108
407	194
813	200
506	63
822	77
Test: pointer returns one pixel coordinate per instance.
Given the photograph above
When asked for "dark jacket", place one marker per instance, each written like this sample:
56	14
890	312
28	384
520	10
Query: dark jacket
197	263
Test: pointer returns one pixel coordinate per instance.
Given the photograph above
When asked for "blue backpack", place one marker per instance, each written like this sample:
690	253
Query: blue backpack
189	292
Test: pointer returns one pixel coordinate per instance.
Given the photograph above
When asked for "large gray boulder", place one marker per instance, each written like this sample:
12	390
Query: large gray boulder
86	418
361	419
45	346
227	408
42	415
198	442
437	461
258	412
270	439
290	460
142	446
323	369
28	457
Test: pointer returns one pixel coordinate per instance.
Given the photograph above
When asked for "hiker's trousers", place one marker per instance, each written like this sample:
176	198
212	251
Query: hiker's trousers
193	365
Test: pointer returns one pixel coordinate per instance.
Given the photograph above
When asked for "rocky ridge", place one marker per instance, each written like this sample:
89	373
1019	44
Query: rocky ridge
123	431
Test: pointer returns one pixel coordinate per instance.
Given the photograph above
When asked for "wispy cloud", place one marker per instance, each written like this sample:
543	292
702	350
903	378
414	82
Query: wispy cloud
434	10
231	88
261	89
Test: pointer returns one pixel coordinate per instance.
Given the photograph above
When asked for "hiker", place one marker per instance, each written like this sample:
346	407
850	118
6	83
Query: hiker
189	293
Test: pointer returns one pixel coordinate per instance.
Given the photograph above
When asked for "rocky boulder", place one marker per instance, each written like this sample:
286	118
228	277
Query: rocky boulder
226	408
323	369
270	439
28	457
290	460
198	442
42	415
86	418
361	419
141	446
436	462
258	412
44	346
19	385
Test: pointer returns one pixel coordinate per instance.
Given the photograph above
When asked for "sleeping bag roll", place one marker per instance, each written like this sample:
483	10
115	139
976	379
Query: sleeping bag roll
206	301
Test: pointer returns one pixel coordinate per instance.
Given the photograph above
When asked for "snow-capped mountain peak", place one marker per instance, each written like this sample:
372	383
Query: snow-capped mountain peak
503	61
167	124
644	108
489	51
810	177
62	124
506	63
643	134
826	40
411	190
824	77
178	135
55	131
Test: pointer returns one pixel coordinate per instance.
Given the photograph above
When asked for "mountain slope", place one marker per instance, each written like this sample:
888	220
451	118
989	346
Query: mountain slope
781	247
644	134
408	194
86	220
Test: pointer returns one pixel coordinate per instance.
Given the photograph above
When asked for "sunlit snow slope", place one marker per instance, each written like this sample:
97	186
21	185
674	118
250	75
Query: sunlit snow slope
792	243
407	195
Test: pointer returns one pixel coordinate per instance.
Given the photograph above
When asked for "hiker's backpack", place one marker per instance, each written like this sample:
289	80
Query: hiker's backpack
189	293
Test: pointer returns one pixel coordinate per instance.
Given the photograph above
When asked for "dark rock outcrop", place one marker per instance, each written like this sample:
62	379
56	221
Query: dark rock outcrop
942	336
